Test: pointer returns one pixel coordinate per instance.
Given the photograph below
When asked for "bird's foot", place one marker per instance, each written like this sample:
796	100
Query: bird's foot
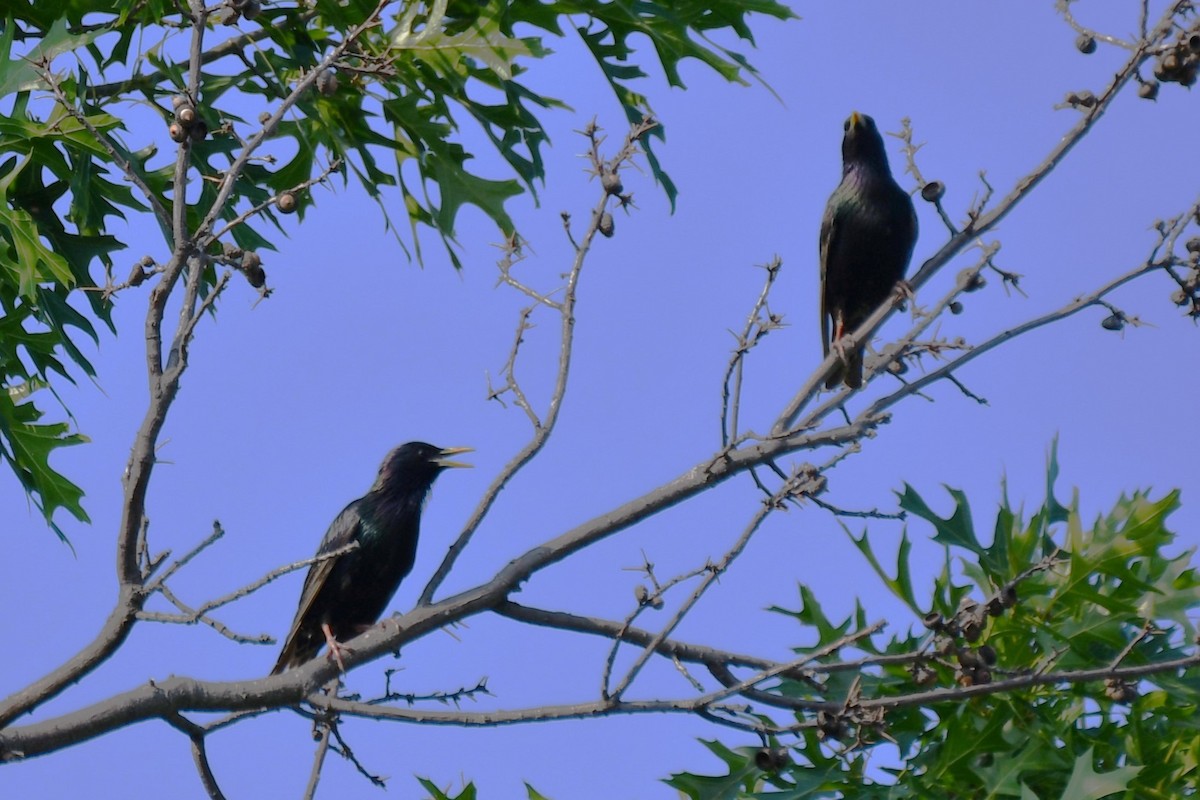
903	294
335	649
842	347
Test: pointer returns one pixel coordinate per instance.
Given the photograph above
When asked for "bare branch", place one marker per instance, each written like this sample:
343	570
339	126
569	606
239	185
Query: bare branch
541	434
757	326
199	752
1089	116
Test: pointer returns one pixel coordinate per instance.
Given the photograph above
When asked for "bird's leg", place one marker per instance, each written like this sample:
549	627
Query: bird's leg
335	649
843	343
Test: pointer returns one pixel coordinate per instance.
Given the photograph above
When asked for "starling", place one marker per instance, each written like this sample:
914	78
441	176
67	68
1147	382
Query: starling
867	238
345	595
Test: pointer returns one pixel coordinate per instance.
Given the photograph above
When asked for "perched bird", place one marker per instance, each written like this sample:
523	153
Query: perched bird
867	238
345	595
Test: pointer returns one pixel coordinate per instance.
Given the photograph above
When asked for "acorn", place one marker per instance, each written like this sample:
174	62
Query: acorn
1085	99
1148	90
606	225
1009	596
252	269
1085	44
772	759
968	659
1192	245
286	203
641	594
186	114
177	101
933	621
995	607
264	117
177	132
1113	322
611	181
198	131
1180	298
933	191
987	654
327	82
955	307
251	9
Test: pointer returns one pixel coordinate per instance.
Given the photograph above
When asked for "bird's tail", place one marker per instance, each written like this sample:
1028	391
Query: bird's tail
294	654
284	663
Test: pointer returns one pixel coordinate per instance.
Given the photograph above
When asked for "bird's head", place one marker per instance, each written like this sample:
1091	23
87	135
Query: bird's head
862	142
416	464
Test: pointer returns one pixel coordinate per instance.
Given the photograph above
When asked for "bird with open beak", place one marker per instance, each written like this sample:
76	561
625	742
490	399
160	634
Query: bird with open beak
346	594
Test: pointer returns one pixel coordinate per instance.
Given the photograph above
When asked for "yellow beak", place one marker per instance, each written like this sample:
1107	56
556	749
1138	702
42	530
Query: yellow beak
450	451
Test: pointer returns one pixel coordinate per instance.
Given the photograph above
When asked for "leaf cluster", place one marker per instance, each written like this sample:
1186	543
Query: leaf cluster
387	112
1090	688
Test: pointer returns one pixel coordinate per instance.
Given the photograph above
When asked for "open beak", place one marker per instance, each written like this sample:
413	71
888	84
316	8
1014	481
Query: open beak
442	461
855	119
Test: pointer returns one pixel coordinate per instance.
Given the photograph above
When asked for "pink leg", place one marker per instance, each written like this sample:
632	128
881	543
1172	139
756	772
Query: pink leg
335	649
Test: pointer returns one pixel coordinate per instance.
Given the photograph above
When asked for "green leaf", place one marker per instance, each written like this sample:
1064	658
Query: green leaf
1087	784
741	776
901	585
953	531
27	446
468	792
20	74
457	186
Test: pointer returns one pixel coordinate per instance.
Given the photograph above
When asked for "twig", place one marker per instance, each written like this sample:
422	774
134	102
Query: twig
345	752
713	572
752	333
198	614
314	775
182	561
134	176
196	734
565	351
787	419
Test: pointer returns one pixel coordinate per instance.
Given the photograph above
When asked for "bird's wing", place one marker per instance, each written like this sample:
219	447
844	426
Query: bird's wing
342	531
829	230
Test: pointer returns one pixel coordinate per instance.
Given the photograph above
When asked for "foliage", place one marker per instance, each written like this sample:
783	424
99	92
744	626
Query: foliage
1006	711
313	88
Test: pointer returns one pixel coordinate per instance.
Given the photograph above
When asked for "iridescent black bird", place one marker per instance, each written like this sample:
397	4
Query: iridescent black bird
345	595
867	238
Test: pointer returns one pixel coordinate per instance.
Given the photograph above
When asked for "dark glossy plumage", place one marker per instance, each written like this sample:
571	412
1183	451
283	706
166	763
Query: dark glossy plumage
349	593
867	238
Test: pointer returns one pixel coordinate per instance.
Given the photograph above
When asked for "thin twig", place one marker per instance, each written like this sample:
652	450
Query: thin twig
565	351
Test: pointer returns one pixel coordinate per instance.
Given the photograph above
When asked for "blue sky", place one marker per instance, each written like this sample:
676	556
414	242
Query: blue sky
289	405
